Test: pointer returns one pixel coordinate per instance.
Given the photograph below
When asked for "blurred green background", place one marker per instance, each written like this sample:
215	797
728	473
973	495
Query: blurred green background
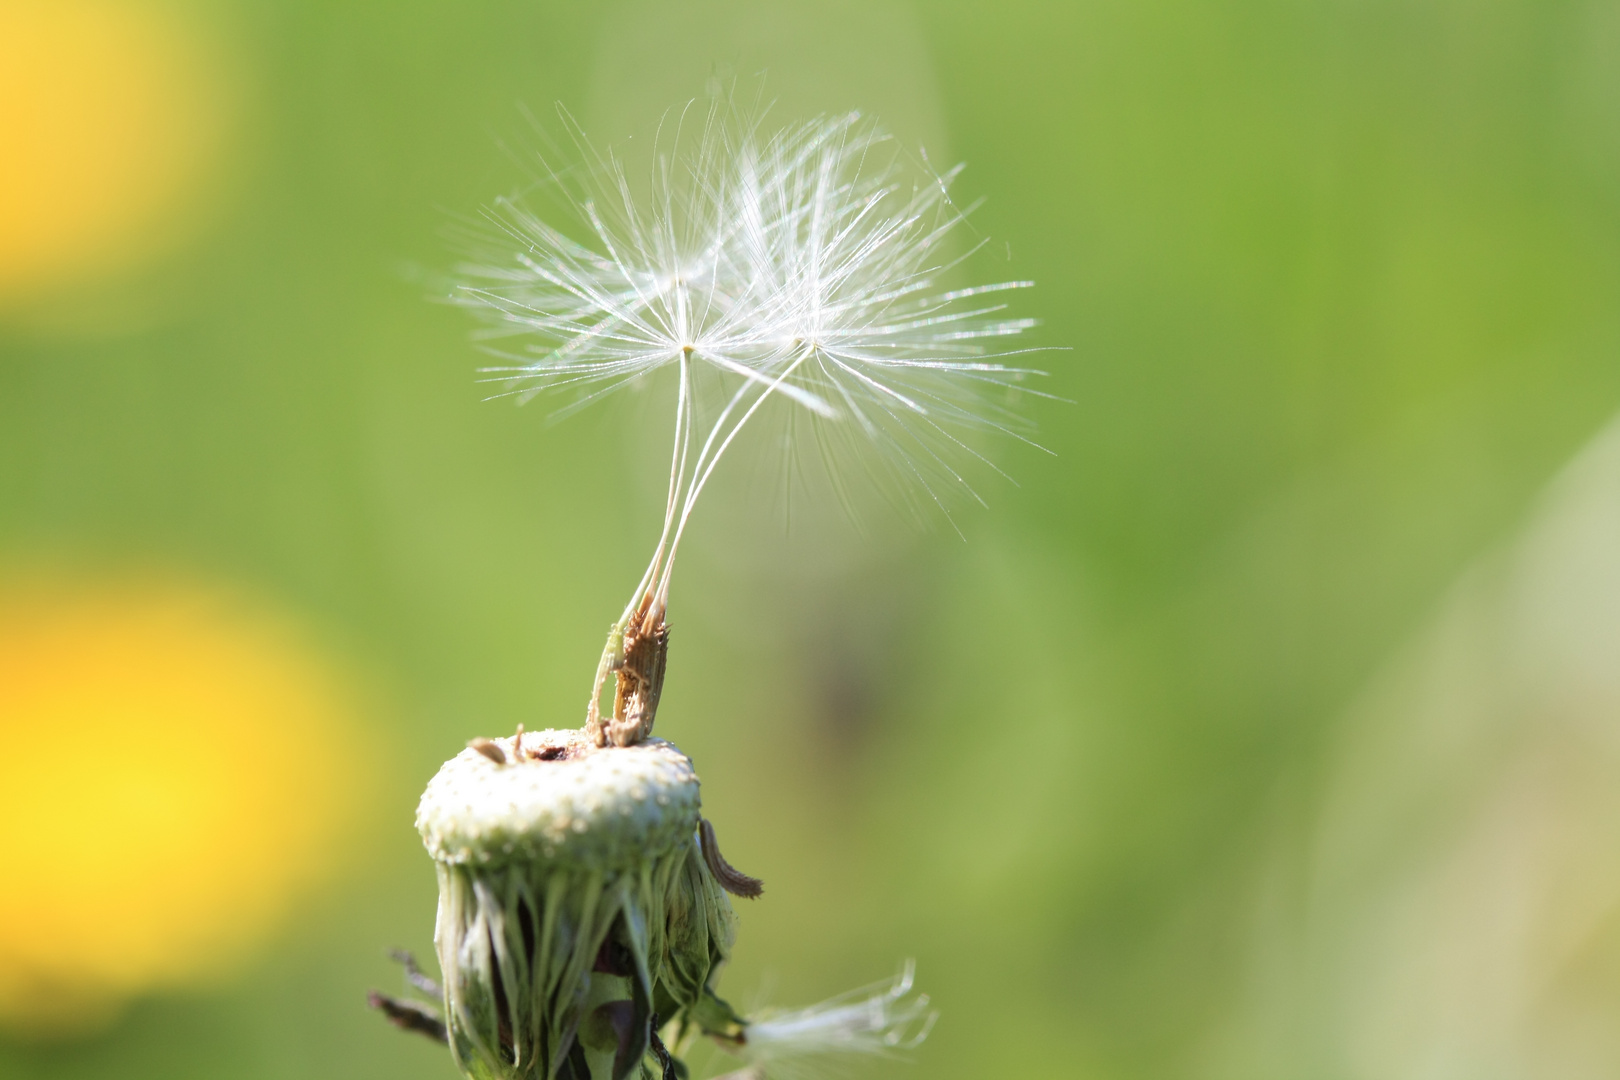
1265	730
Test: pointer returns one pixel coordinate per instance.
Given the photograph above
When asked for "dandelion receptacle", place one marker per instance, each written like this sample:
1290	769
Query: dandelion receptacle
585	909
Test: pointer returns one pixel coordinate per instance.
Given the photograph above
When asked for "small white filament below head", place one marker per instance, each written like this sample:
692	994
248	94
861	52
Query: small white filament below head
876	1020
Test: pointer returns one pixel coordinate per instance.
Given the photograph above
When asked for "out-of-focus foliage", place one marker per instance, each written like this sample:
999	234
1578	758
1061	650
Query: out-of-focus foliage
1451	909
1200	757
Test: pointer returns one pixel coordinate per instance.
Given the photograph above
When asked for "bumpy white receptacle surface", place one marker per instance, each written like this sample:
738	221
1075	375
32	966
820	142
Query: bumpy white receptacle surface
604	809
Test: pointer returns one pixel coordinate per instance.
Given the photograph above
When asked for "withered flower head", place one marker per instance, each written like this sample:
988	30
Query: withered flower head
575	904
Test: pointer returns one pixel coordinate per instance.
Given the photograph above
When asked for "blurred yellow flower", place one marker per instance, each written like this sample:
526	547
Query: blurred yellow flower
173	769
110	115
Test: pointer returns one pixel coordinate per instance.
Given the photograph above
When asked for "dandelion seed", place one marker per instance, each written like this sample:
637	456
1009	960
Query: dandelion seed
798	265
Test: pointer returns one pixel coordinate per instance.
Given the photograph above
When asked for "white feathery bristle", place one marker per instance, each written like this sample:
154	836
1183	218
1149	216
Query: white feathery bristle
803	264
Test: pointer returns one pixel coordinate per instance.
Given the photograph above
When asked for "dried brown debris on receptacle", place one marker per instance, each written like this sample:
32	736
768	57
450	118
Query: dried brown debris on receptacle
489	748
520	752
